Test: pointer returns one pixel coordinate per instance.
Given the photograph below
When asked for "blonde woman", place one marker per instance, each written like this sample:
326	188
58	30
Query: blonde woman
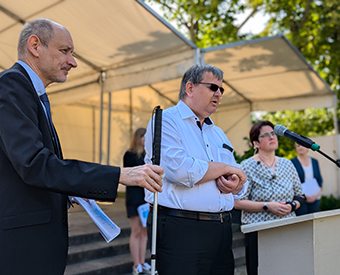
307	168
134	198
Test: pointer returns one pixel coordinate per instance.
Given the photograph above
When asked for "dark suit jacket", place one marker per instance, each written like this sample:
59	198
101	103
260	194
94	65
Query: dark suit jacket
34	183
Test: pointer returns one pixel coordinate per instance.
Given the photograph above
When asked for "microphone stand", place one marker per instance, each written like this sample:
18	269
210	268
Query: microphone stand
156	152
337	162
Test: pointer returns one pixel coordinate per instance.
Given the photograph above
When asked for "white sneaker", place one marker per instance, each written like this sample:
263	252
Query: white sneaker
147	268
137	270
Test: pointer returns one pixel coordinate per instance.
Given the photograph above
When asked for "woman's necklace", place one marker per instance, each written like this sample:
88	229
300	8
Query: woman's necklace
271	169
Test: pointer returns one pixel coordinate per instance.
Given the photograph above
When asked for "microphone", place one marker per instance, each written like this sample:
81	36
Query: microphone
299	139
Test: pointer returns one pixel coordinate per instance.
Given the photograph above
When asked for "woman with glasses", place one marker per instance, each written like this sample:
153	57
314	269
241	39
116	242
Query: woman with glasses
274	190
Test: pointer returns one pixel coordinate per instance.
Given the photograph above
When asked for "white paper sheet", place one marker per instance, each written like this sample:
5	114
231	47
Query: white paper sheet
107	228
143	211
310	187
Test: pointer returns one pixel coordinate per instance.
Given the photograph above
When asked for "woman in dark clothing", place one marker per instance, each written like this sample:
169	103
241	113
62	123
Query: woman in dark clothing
307	168
134	198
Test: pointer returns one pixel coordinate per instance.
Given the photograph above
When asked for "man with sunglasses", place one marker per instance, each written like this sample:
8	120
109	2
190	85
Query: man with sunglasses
201	181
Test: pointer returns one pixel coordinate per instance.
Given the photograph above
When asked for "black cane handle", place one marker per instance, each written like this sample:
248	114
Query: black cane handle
157	138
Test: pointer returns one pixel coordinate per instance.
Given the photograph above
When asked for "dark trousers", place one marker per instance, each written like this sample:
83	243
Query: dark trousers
251	248
191	247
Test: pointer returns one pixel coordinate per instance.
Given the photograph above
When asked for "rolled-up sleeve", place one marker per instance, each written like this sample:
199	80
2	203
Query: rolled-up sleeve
179	167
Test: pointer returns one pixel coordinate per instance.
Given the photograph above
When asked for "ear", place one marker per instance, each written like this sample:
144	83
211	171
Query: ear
33	44
189	88
256	144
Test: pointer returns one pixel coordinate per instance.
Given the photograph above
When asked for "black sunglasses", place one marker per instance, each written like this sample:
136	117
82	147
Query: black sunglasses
212	87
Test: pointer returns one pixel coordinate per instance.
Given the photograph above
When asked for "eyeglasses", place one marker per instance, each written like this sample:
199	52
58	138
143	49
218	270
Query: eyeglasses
212	87
268	135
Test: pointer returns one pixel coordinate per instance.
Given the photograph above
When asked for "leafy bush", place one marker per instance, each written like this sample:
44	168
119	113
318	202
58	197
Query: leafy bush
329	203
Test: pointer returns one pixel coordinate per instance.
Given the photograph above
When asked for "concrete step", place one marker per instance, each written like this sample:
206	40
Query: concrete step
97	250
239	256
240	261
89	254
94	237
118	264
122	264
238	239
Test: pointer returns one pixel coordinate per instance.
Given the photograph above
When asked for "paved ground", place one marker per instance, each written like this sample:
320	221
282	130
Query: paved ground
80	223
241	270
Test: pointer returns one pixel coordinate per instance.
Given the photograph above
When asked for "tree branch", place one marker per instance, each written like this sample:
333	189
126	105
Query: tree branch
192	26
305	15
179	15
255	10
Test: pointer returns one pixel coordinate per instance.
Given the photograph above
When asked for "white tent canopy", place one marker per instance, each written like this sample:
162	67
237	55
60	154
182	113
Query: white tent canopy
270	74
130	60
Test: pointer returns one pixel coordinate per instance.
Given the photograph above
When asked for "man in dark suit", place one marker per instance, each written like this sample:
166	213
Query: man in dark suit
35	181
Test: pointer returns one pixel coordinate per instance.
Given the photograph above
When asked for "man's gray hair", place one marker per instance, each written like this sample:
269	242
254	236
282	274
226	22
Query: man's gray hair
41	27
195	75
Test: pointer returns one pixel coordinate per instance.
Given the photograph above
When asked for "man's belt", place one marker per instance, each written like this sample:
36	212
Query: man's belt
200	216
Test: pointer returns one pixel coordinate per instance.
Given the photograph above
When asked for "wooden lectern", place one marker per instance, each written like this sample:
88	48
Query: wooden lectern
304	245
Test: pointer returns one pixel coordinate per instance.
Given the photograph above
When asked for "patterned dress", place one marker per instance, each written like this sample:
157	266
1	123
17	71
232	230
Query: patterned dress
264	186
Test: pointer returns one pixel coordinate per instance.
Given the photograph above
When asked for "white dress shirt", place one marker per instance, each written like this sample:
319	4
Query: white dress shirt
185	153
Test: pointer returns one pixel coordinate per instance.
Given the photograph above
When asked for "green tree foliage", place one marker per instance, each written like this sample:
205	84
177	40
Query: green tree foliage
313	26
247	154
205	22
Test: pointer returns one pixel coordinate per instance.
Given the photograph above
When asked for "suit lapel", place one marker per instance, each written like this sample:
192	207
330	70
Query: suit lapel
56	143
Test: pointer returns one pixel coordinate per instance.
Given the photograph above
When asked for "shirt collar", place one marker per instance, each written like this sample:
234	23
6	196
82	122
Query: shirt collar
186	112
37	83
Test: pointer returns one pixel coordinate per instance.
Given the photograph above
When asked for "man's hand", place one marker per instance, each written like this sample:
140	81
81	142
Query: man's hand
232	182
147	176
229	184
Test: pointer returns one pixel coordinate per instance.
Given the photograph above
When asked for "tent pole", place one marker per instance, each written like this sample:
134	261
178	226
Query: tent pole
198	54
94	133
102	81
109	131
337	145
131	122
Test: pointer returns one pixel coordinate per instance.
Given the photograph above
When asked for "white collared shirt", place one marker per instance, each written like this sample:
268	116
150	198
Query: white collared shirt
185	153
37	83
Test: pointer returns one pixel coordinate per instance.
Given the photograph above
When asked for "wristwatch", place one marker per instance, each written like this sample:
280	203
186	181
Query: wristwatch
293	204
265	207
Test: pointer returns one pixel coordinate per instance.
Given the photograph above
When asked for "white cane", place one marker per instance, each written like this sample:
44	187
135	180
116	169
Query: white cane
154	234
156	152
